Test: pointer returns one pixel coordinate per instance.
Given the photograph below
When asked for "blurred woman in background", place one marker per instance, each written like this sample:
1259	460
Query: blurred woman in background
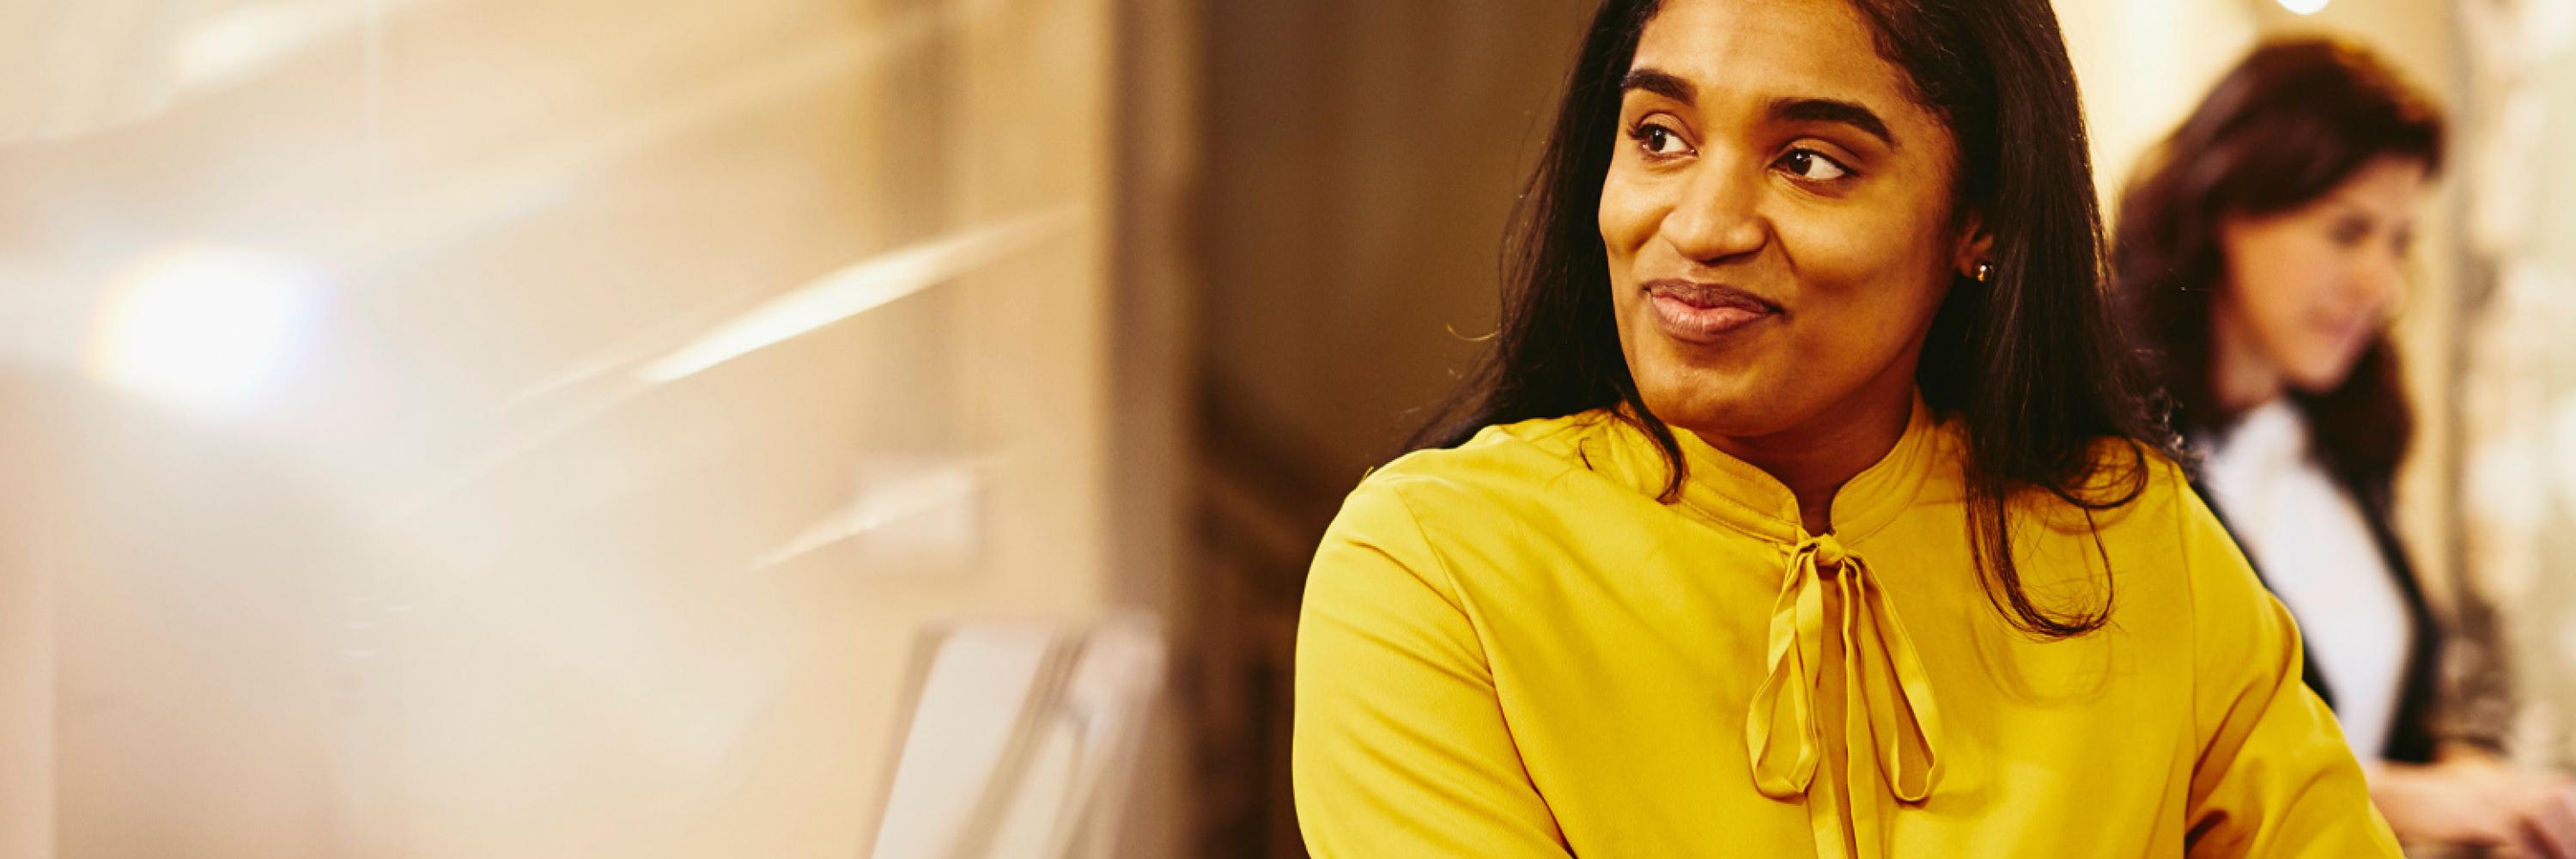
2262	248
1784	516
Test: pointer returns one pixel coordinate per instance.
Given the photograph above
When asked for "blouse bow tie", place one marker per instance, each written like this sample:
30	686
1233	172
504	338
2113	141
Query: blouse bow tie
1888	713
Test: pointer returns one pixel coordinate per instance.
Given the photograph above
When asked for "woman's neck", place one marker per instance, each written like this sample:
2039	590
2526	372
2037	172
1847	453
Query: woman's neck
2241	376
1815	458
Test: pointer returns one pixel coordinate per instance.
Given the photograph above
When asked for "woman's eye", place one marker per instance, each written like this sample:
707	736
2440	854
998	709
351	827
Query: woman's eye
1812	166
1659	141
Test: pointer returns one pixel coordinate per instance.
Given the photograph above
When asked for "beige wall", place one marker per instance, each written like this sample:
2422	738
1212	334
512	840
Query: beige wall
2518	419
492	566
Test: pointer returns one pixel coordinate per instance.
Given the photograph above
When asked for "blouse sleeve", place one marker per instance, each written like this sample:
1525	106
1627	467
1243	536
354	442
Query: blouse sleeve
2275	777
1400	747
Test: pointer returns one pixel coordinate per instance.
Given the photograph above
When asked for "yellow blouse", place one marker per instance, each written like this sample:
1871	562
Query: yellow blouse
1512	649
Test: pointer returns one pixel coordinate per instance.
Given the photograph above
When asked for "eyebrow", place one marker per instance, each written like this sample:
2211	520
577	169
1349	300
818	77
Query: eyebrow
1836	111
1661	83
1830	110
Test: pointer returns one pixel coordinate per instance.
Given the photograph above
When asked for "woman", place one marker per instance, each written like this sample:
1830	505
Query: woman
2262	248
1787	514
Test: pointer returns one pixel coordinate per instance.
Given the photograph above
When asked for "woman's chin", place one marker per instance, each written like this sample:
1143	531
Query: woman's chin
2320	378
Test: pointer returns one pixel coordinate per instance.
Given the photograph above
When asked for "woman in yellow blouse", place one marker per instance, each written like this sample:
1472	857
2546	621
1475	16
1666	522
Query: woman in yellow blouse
1786	517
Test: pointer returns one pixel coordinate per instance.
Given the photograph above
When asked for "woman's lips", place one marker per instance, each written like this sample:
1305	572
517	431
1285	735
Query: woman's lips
2348	333
1705	313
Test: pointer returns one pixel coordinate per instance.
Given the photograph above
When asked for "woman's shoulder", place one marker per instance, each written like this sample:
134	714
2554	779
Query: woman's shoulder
2122	483
1497	456
2133	535
1501	467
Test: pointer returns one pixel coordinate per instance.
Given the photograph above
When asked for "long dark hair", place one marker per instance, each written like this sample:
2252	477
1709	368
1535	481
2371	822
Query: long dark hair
2292	121
2031	362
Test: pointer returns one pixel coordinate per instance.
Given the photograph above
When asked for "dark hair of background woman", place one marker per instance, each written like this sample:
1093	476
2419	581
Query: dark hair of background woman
2030	362
2293	121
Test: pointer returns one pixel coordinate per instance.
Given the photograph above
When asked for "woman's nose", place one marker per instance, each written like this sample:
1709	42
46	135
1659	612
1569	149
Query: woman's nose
2379	277
1718	215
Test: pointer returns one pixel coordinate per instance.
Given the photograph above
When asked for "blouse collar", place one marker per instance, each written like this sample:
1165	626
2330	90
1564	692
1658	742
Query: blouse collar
1733	493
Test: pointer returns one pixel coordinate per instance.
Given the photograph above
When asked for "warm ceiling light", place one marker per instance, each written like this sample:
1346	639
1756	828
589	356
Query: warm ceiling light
204	328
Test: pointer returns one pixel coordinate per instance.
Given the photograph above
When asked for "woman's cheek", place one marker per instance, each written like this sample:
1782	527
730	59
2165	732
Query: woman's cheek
1855	258
1627	216
2316	352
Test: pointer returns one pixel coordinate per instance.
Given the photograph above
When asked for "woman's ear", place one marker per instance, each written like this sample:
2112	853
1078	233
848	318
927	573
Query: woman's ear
1974	257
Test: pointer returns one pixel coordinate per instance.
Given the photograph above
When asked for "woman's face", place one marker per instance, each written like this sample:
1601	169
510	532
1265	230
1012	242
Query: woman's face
2309	288
1777	218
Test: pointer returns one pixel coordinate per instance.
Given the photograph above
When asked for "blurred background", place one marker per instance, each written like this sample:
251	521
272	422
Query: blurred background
442	428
